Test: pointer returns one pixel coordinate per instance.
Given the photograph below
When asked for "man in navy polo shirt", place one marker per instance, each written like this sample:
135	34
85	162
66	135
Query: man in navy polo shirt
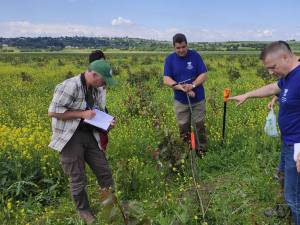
185	72
279	60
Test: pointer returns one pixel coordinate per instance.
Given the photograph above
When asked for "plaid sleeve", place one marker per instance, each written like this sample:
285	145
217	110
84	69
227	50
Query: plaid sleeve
62	98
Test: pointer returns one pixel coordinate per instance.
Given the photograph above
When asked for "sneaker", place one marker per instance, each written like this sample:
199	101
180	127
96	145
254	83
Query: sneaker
278	211
87	216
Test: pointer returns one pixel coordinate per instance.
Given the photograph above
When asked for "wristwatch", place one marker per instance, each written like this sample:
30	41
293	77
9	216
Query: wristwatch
193	85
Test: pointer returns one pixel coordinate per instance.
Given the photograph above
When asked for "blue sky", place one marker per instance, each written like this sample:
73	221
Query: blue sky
212	20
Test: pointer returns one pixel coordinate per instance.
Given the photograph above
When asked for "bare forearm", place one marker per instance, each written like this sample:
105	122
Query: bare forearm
274	99
169	81
173	84
200	79
268	90
68	115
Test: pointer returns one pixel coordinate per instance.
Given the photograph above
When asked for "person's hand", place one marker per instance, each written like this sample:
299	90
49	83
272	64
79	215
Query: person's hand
239	99
298	163
112	124
270	105
180	87
88	114
272	102
191	94
188	87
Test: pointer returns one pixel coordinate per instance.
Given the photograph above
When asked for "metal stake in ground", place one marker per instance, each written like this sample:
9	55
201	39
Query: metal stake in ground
195	131
226	96
192	159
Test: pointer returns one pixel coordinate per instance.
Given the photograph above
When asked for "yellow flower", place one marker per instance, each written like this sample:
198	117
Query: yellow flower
9	205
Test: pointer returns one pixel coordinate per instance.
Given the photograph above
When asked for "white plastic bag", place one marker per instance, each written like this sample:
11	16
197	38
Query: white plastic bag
270	127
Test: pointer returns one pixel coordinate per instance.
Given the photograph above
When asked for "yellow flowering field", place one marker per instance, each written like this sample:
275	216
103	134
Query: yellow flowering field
151	166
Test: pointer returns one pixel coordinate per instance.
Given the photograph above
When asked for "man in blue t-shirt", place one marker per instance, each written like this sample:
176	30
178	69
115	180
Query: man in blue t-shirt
185	72
279	60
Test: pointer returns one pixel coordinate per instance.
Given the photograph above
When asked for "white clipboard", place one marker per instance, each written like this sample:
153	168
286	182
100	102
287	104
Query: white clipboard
101	120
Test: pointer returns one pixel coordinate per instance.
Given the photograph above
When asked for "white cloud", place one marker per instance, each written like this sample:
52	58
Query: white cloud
28	29
265	33
121	21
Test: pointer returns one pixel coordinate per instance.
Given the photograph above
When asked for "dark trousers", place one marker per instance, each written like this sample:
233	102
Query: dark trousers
82	148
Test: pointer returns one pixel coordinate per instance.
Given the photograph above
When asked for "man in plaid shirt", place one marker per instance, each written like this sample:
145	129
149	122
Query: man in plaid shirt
78	142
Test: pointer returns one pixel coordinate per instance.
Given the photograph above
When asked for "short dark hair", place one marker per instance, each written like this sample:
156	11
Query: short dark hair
96	55
179	38
286	45
274	47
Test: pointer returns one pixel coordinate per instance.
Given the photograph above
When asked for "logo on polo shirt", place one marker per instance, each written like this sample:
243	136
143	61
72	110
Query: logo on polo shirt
189	66
284	98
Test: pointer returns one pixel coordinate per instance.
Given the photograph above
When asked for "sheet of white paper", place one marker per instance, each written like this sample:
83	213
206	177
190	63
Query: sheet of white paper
101	120
296	150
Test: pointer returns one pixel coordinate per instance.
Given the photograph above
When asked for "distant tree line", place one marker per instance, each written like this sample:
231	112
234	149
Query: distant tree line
125	43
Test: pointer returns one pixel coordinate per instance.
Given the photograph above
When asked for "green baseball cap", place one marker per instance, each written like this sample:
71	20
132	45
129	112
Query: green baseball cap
103	68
